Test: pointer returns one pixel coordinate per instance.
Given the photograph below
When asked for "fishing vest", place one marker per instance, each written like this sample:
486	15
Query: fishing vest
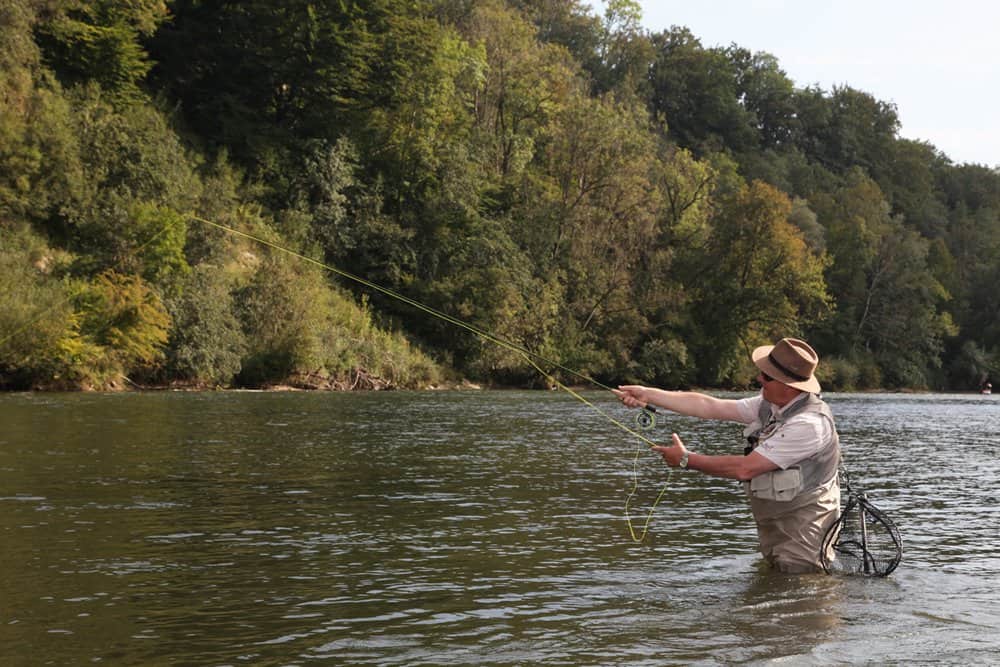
782	486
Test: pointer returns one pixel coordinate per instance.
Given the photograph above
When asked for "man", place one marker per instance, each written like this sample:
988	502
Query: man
790	469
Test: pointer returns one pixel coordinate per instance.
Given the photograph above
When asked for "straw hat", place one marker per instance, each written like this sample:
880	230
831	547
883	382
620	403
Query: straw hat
790	361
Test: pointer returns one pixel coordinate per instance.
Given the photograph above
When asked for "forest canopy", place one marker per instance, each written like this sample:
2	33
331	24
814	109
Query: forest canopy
636	206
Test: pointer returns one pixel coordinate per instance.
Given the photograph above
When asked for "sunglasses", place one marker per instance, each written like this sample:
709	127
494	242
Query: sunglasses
765	378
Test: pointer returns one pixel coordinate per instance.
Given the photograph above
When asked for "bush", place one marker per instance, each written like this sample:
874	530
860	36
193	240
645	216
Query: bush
207	342
126	321
838	374
870	374
38	327
298	326
664	362
138	172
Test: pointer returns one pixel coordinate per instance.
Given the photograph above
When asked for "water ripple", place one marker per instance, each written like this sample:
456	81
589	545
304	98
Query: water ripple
464	528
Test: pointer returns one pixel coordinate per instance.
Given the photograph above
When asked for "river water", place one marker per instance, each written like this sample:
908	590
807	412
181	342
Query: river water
465	528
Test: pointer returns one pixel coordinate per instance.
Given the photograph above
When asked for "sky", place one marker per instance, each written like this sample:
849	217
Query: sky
938	62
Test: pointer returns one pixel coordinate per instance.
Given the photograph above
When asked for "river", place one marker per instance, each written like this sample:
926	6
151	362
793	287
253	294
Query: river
465	528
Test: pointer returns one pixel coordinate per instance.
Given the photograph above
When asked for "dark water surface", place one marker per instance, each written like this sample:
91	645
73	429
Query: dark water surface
464	529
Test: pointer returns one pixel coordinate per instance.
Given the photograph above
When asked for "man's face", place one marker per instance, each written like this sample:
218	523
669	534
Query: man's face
774	391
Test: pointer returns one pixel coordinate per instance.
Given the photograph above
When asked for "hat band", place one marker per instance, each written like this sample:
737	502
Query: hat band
794	376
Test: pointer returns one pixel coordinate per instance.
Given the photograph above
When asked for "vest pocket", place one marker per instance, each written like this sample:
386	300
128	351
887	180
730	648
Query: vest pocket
780	485
787	483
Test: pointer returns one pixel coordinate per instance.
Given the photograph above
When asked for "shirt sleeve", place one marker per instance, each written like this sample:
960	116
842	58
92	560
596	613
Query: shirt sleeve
748	408
796	440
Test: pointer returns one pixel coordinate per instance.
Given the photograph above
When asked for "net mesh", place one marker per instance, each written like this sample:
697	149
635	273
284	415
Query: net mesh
863	541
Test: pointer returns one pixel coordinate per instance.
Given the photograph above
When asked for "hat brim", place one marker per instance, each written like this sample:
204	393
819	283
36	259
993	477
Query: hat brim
762	361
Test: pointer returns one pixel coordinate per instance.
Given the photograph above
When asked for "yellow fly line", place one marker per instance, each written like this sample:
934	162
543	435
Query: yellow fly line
641	535
531	357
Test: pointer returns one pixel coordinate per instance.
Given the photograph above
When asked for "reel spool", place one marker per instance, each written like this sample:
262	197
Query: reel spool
646	418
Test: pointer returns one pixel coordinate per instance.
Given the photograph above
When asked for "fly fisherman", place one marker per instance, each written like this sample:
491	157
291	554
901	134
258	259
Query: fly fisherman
789	471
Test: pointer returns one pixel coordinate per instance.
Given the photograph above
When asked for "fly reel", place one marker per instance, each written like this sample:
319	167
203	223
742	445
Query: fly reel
646	418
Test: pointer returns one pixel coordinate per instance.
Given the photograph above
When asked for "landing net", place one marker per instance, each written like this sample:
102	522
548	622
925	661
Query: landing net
863	541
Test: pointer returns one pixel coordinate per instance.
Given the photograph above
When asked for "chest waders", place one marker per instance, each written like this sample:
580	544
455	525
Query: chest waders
793	508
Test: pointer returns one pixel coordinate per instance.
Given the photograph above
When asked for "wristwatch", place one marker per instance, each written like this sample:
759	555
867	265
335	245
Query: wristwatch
683	463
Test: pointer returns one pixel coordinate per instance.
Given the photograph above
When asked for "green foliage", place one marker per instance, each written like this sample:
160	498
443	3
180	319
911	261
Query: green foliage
859	130
526	84
665	362
766	93
758	280
634	206
262	78
207	343
603	160
100	41
860	371
133	153
160	233
624	51
40	174
487	281
891	305
806	221
80	334
297	327
432	119
139	179
569	24
697	90
125	320
973	366
838	374
38	327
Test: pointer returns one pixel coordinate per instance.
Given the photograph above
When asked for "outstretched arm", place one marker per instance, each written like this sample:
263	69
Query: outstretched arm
688	403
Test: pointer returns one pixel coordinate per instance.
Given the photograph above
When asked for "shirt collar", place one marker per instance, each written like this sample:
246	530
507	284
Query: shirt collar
777	412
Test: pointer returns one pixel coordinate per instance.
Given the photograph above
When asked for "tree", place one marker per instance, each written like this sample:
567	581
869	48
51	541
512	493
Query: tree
39	330
767	93
568	23
757	280
206	342
661	291
696	91
847	129
139	177
40	171
593	221
909	183
101	42
888	302
281	312
422	141
300	330
526	84
624	52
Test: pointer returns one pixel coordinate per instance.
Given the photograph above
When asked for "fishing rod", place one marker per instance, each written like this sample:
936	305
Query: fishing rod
645	418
